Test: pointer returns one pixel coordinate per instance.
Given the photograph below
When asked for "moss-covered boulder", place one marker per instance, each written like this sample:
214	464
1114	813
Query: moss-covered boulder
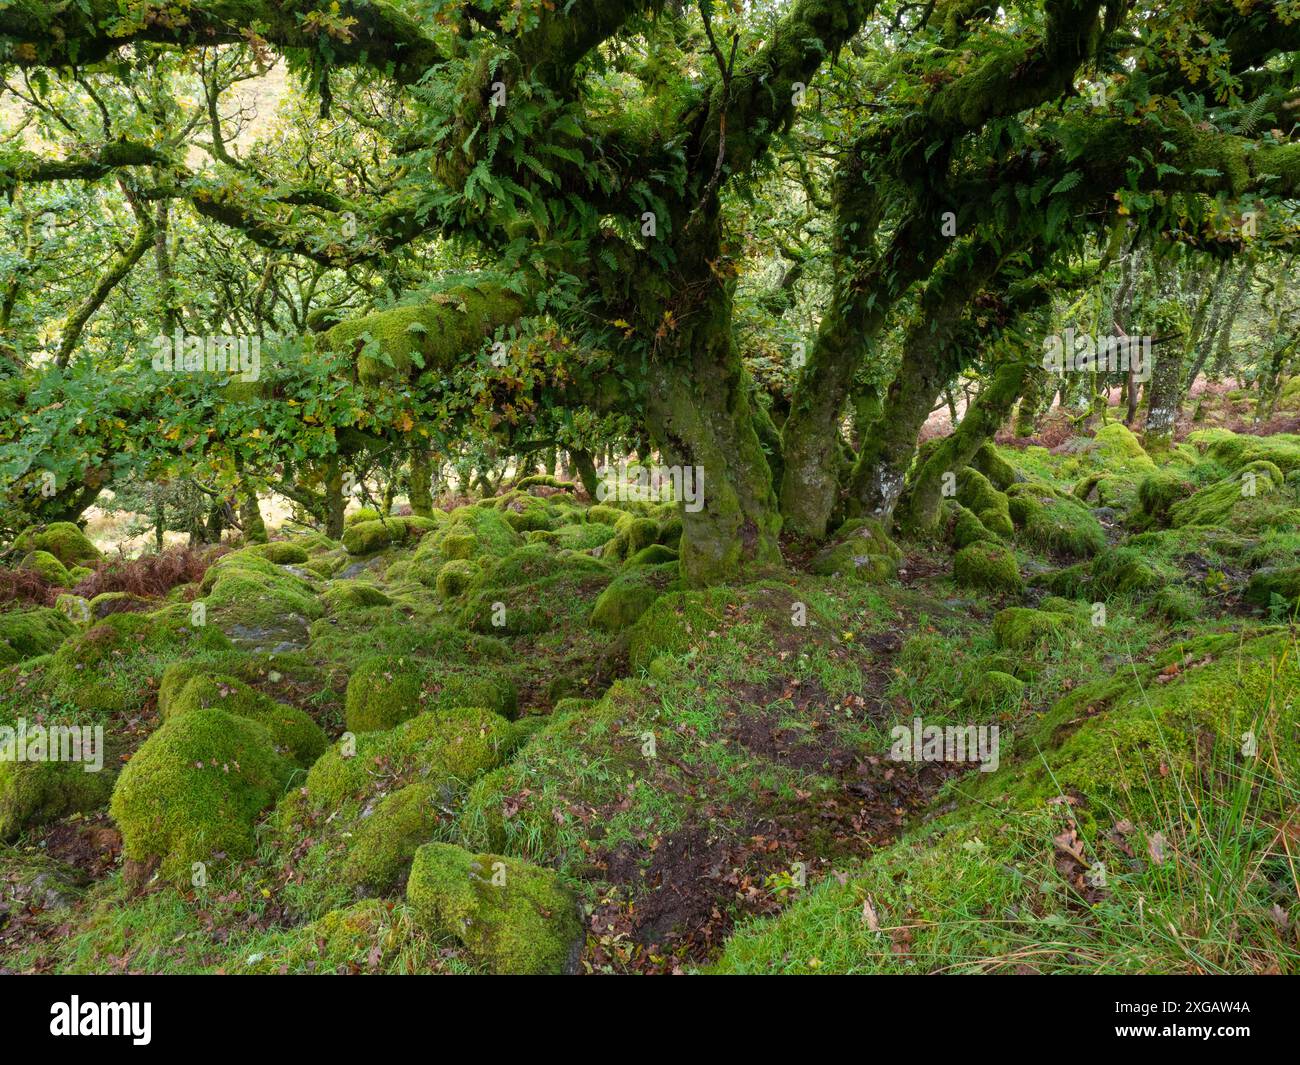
447	747
1159	490
1125	571
366	537
994	691
654	555
384	843
98	670
860	550
1273	583
988	566
259	605
583	536
1117	448
296	735
47	567
976	493
1230	501
964	528
454	577
281	552
353	595
676	622
630	595
631	534
1025	629
386	690
515	918
194	790
35	791
62	539
34	631
1053	521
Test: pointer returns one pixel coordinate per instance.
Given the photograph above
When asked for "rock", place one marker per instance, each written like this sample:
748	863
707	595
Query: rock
515	918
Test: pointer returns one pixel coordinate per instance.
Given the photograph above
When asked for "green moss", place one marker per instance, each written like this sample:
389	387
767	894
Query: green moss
1238	451
1231	501
33	792
545	480
195	788
631	535
1025	629
96	670
676	622
995	691
281	552
1000	473
456	744
1280	581
367	537
1117	447
1126	570
352	595
988	566
295	734
654	555
62	539
1161	489
507	611
1175	603
383	844
515	918
860	549
601	514
966	528
630	595
49	568
386	690
583	537
112	602
382	692
361	514
35	631
534	562
1053	521
455	577
392	343
492	533
977	494
527	514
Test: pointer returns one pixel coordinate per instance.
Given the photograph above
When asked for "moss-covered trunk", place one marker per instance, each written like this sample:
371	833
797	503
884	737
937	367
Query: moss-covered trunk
1164	394
421	486
990	409
700	415
335	501
930	360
